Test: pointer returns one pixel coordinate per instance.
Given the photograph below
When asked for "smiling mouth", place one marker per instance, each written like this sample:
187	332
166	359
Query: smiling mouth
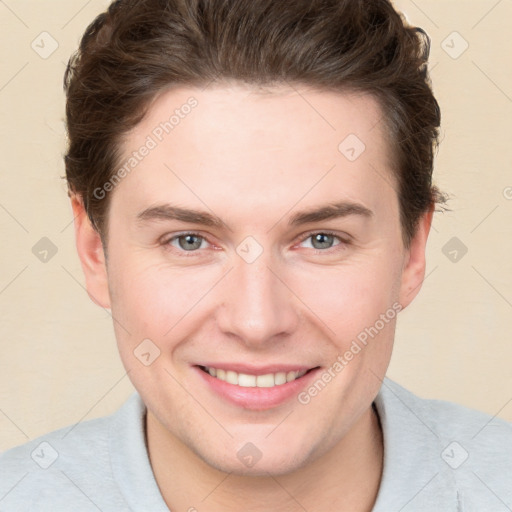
246	380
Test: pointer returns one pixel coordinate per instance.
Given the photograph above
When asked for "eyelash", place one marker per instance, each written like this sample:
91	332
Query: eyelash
343	242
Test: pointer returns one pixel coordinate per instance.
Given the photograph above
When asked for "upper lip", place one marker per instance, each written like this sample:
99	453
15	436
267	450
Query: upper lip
258	370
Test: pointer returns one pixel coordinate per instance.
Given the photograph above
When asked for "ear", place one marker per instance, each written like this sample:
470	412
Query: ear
91	254
413	272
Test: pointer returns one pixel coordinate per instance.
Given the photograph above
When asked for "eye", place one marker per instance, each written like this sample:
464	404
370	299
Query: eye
324	240
321	241
188	242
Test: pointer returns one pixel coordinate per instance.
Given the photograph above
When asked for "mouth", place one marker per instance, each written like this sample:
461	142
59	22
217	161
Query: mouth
256	389
247	380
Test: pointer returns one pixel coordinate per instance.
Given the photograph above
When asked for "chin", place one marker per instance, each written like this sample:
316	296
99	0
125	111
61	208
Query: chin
258	458
274	465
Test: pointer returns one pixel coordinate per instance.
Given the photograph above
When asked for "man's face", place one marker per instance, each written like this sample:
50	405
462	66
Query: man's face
266	291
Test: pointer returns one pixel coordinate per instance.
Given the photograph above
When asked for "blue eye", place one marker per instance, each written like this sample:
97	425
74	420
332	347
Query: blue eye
188	241
322	240
319	241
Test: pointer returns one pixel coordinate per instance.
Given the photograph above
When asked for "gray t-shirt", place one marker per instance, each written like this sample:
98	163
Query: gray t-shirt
438	456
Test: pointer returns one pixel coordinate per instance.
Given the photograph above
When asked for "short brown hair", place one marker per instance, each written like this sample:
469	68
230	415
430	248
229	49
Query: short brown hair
139	48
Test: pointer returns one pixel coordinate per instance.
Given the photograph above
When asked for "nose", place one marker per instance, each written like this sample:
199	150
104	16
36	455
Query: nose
256	305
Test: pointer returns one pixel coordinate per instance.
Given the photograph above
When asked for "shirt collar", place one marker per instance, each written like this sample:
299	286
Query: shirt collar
414	477
131	467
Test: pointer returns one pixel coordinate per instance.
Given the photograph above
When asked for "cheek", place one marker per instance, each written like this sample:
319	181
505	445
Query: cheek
152	300
350	297
155	311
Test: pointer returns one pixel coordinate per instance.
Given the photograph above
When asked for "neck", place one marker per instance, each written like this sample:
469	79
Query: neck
346	478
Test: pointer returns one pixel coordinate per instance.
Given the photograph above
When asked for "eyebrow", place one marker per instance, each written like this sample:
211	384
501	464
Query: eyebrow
326	212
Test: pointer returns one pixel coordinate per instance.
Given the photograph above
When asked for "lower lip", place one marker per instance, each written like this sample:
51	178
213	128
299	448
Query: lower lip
255	398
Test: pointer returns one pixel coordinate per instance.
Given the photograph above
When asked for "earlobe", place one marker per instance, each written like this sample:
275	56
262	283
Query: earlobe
413	272
92	257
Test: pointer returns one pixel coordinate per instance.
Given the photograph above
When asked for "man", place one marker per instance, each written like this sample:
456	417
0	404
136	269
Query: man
251	184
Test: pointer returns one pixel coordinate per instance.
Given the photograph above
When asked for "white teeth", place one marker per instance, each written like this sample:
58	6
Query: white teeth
291	376
231	377
268	380
247	381
265	381
280	378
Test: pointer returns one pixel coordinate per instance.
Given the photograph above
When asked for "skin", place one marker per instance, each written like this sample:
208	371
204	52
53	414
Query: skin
255	159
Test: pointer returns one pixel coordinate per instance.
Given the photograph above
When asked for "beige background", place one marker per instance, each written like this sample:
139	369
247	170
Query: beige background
59	362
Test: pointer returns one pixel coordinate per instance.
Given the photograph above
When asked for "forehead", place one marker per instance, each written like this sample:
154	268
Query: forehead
267	145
